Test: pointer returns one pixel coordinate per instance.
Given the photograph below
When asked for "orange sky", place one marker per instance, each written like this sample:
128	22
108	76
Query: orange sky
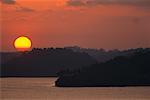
61	23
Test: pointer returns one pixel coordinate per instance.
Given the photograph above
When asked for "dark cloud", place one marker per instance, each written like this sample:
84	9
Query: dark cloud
143	3
19	8
76	3
136	20
8	1
24	9
122	2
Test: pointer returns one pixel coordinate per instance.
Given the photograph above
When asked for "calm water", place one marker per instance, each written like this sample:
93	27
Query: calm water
43	89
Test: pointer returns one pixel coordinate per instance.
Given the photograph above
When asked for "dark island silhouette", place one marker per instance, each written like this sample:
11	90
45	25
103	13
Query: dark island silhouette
50	61
132	69
80	67
42	62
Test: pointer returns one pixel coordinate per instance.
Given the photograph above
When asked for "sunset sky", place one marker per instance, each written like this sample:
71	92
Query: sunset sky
108	24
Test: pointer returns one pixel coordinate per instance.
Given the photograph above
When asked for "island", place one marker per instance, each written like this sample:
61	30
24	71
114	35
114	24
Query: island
128	70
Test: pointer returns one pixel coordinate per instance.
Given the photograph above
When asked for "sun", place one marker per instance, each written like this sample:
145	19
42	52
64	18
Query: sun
22	43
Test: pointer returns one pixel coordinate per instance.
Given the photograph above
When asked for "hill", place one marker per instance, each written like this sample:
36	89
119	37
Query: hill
129	70
44	62
102	55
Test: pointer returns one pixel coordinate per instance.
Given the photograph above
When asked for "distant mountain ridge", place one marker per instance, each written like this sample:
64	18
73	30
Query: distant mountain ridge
101	55
6	56
44	62
55	61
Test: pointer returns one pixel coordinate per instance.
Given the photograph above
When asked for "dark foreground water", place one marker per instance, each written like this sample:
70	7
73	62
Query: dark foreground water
44	89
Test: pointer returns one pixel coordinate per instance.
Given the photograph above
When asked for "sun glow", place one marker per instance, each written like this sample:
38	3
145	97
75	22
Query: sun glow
22	43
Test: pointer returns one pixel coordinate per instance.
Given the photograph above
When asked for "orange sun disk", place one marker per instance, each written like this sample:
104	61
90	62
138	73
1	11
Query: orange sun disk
22	43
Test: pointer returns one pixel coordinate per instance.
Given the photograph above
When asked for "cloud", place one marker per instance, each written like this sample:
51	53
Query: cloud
8	1
24	9
19	8
121	2
142	3
76	3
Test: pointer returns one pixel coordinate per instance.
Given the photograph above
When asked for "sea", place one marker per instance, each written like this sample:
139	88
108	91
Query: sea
44	89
